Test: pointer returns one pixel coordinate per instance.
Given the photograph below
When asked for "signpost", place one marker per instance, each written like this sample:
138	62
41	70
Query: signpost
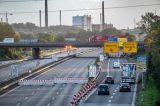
142	58
111	47
129	47
92	71
112	39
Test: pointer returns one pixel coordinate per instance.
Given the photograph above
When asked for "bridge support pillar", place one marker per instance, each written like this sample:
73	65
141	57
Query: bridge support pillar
36	53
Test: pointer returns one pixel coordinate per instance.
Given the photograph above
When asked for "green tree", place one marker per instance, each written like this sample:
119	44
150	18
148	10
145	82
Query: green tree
48	37
6	31
149	22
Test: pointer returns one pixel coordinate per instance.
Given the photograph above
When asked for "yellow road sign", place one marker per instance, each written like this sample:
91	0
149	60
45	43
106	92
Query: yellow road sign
130	47
111	47
121	41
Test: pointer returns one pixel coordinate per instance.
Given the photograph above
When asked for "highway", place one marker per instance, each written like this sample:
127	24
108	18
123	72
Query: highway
115	98
7	73
57	95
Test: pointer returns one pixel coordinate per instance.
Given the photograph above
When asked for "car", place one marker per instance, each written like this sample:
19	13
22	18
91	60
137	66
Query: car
103	89
125	87
109	79
116	65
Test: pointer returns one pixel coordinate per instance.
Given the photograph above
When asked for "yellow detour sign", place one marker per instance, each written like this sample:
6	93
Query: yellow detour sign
130	47
121	41
111	47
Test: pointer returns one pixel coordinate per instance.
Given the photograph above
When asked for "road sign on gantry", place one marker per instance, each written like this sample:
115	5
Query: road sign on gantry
130	47
111	47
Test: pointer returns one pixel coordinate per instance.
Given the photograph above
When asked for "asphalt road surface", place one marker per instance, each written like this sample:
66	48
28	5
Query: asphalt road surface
8	72
115	98
57	95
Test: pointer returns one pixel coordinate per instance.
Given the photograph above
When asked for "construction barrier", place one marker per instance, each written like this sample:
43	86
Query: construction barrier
52	82
71	80
82	92
36	82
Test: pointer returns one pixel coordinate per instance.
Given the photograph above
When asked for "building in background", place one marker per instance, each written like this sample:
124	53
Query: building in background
83	22
98	27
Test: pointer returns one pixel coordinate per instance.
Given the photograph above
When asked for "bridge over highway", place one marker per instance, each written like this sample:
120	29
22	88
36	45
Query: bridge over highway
43	45
36	46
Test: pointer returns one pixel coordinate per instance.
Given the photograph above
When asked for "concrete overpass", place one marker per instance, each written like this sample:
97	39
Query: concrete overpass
36	46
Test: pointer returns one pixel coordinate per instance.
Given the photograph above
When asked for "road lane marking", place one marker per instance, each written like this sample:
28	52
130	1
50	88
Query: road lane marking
109	101
57	93
116	90
108	67
108	105
111	97
18	104
60	88
53	98
114	93
26	98
48	104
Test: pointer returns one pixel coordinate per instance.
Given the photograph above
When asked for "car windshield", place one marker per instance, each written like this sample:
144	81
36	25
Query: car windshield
109	78
103	87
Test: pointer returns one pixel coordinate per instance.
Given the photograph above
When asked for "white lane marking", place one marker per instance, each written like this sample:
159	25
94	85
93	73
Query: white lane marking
109	101
57	93
53	98
108	67
111	97
135	90
48	104
18	104
116	90
60	88
26	98
108	105
114	93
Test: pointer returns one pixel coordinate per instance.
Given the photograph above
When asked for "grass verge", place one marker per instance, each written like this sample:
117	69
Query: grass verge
150	95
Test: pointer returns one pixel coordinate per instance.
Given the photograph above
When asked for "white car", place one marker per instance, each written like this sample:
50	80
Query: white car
116	65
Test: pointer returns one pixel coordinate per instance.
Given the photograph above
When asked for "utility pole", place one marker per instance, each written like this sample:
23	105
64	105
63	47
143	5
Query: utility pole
46	14
40	18
60	18
103	21
100	21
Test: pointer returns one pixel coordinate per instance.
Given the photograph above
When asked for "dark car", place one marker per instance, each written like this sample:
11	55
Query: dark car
109	79
103	89
125	87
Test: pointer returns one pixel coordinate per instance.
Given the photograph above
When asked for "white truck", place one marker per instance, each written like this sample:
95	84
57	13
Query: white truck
128	73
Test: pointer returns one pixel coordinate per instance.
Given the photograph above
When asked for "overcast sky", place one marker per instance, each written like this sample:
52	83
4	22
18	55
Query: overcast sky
119	17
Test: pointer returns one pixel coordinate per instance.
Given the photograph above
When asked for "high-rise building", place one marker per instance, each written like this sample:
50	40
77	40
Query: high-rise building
83	22
77	21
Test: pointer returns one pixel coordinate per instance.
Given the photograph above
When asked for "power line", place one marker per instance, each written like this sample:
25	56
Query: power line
7	1
118	7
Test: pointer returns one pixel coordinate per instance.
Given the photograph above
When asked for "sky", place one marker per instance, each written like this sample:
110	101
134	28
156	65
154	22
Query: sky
121	18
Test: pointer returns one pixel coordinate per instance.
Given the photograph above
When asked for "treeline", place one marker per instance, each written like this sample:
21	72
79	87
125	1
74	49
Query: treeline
58	33
150	23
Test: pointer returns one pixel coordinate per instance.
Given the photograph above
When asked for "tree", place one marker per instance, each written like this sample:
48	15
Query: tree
48	37
149	22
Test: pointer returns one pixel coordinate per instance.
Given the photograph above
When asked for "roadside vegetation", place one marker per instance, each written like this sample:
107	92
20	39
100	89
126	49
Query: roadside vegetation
150	23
